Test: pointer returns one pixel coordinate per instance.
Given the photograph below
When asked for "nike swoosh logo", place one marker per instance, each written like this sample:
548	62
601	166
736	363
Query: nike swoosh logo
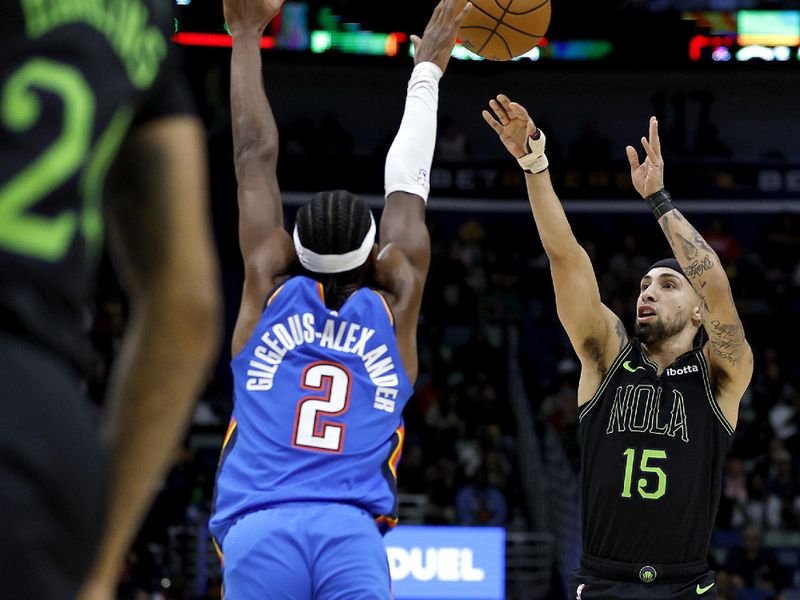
702	590
627	366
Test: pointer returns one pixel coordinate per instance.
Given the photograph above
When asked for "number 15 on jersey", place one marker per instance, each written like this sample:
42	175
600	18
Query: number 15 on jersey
645	487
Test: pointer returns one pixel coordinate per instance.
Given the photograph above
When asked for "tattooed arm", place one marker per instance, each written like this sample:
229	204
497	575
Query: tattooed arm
727	351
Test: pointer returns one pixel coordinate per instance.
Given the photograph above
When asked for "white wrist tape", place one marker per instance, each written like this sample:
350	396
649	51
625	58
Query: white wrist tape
408	163
535	161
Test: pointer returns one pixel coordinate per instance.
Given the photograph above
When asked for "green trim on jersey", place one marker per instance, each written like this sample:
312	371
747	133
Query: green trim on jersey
711	400
604	384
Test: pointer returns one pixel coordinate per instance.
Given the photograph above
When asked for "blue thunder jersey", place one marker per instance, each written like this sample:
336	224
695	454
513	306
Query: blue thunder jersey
318	401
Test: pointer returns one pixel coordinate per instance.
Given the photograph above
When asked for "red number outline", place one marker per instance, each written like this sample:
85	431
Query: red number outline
320	426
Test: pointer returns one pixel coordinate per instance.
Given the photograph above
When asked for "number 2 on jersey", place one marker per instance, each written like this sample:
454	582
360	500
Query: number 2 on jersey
310	430
642	484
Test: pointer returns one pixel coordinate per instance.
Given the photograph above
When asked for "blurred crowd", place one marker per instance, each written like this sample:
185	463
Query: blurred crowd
489	274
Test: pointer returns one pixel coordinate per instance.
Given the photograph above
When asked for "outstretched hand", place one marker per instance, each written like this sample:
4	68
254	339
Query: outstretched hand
250	16
511	123
647	177
439	37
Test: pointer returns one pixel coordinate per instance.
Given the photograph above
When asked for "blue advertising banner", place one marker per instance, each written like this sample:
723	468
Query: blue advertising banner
465	563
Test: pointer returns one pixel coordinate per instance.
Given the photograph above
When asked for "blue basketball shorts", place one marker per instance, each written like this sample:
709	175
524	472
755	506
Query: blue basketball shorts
306	551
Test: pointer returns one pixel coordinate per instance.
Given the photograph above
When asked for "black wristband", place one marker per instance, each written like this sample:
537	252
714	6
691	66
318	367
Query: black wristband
660	203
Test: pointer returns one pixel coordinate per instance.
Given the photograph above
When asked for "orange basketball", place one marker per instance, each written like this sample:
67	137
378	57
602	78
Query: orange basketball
504	29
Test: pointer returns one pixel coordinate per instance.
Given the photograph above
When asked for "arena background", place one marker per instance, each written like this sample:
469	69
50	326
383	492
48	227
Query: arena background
492	436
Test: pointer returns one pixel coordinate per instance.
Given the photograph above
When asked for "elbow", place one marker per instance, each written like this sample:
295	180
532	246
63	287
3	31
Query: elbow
565	255
256	149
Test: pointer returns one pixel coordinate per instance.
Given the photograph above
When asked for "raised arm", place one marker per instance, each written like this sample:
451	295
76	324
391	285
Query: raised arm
266	246
729	355
596	333
405	244
408	162
161	236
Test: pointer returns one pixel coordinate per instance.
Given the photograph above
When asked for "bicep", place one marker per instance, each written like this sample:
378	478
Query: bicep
729	354
403	226
158	210
595	332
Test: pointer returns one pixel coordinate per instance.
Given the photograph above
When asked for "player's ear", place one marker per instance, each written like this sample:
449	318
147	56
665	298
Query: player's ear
697	314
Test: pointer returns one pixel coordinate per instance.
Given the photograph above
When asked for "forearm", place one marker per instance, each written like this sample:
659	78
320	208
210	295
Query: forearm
407	169
699	262
551	221
408	162
255	133
161	369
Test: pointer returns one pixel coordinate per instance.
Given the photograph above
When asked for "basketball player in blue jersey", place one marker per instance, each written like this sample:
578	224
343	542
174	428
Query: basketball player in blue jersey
324	349
657	411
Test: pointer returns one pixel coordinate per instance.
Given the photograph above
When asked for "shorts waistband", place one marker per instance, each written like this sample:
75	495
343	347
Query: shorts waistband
642	572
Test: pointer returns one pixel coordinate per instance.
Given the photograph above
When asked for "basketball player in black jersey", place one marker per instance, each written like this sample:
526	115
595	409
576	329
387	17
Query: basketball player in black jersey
82	83
657	411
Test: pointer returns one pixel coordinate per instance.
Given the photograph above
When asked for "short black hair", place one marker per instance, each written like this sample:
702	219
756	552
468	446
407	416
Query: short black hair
335	222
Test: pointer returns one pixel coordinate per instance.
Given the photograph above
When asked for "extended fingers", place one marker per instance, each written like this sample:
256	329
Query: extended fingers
452	16
489	118
655	142
633	157
463	14
437	13
500	111
651	155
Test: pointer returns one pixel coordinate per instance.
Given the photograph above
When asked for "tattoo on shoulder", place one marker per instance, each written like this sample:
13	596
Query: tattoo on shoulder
622	334
704	302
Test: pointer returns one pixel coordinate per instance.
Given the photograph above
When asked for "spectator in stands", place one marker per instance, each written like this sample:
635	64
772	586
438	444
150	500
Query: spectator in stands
479	502
752	566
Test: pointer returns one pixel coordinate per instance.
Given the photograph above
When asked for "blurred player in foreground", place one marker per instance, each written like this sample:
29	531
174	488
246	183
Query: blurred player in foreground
657	411
83	84
324	352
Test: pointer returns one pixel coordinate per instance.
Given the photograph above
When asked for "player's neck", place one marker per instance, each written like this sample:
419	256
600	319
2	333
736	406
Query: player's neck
665	352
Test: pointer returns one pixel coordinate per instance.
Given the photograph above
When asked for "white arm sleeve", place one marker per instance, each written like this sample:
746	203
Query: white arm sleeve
408	163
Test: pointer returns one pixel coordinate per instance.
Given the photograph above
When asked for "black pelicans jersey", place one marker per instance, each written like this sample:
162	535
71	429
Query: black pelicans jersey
652	449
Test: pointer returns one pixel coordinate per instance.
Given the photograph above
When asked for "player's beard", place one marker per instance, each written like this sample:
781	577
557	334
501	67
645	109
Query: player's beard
659	330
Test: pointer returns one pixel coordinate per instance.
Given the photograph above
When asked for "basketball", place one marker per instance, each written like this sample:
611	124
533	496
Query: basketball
504	29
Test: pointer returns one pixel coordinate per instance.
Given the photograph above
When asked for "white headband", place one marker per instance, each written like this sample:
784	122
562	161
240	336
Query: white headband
335	263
